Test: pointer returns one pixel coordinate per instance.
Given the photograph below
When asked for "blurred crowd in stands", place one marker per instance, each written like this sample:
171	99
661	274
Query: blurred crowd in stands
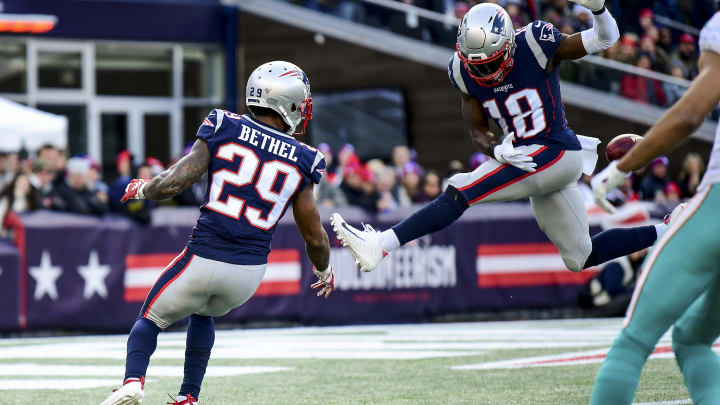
53	181
645	43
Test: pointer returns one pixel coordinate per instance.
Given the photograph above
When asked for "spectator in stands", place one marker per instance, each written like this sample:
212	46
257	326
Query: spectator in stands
666	40
74	195
692	172
557	12
18	196
430	188
95	183
628	49
646	20
672	192
358	189
400	157
652	186
123	164
643	89
387	190
686	54
346	156
659	58
42	177
410	178
674	91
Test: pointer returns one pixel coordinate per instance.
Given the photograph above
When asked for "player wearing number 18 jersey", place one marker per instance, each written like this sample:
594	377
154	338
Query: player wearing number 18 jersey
511	77
256	169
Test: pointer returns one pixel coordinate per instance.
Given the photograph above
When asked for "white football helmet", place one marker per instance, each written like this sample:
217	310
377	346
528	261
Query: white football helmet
284	88
486	43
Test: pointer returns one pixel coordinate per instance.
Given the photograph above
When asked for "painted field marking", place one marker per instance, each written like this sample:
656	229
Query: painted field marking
56	384
678	402
32	369
563	359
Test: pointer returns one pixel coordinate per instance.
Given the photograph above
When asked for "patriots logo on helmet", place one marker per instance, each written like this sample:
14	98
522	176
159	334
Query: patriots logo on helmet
296	73
498	24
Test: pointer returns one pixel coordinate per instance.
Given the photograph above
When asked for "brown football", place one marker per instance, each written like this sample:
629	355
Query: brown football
620	145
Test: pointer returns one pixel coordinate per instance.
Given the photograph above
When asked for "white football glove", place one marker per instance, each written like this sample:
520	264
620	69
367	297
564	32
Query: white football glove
326	281
609	178
506	153
592	5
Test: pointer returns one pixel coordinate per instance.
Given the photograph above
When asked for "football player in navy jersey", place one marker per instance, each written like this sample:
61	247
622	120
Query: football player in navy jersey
511	77
256	169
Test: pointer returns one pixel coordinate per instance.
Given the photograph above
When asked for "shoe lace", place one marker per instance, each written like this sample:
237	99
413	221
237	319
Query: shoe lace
368	228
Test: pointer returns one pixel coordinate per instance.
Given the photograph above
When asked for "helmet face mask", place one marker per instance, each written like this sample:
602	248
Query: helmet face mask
486	44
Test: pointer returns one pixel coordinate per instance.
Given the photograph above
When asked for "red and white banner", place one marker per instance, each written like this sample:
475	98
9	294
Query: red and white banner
282	276
283	273
523	265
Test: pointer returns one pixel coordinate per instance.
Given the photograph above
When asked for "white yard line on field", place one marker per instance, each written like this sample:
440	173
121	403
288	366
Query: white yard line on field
678	402
31	369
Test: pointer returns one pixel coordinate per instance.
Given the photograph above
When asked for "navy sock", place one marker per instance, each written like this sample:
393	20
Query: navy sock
200	340
618	242
438	214
140	346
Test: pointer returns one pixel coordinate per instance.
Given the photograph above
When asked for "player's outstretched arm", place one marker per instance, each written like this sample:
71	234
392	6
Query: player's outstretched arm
682	119
603	34
317	244
674	126
174	180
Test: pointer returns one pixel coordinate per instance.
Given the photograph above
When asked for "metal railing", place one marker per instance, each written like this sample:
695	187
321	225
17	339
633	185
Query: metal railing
677	25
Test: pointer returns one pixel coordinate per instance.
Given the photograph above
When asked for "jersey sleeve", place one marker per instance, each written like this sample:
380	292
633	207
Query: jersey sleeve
210	125
710	35
318	168
455	74
544	40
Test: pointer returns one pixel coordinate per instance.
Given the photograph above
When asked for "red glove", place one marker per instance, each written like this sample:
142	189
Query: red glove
134	190
326	281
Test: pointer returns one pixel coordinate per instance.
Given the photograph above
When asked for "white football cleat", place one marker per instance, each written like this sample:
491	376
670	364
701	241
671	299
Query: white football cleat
363	244
131	393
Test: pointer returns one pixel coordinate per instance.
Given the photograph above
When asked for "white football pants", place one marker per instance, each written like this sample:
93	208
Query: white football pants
194	285
552	189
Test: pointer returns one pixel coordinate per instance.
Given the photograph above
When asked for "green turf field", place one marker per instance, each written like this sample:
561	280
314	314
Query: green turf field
529	362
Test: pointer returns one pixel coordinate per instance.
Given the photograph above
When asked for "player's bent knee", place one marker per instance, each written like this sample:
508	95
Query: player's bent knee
576	258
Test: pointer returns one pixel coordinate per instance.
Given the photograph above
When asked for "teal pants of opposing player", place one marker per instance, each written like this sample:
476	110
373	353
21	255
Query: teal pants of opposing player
680	284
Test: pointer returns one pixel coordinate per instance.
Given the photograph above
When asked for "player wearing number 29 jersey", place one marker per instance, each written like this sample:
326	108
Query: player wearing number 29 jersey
256	169
511	77
255	173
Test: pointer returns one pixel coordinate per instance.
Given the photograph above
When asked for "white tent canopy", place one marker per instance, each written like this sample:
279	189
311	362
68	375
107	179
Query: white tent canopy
22	126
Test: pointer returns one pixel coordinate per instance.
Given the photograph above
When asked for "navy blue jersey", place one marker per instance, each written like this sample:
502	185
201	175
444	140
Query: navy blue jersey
528	100
255	172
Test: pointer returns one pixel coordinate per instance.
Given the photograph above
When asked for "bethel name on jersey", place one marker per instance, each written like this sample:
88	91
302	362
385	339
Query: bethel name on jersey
254	174
528	100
